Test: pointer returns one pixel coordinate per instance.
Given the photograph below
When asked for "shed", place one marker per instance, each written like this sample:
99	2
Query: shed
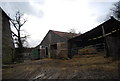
107	33
51	40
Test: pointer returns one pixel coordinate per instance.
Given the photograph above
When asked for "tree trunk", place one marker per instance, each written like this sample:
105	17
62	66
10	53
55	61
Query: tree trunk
20	47
19	40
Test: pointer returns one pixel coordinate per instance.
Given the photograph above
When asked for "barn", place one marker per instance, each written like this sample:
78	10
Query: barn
106	37
8	49
54	43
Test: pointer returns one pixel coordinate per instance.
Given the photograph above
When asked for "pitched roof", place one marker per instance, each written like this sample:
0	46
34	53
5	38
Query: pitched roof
3	12
65	35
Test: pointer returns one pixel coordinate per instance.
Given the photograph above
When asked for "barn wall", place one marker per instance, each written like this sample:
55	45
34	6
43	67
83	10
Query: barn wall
42	53
113	43
62	50
0	39
51	39
59	50
7	42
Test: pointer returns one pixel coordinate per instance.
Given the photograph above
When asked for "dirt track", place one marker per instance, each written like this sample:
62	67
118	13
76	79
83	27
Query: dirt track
80	67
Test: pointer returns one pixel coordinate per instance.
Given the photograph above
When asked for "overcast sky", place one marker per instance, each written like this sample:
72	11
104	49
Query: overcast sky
59	15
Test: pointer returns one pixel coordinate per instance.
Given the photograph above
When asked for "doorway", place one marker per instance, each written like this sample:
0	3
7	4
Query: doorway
46	51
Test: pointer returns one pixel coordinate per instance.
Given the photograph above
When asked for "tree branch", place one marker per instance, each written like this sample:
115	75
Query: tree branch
14	25
14	34
25	36
23	23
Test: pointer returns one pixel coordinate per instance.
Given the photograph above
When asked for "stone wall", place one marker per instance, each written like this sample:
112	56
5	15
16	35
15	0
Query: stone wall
62	50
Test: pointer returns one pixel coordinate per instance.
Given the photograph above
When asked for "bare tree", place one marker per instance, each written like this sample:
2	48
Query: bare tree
73	33
18	23
79	33
116	10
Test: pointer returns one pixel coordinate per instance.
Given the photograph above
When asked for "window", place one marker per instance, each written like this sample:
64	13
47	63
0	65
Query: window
54	46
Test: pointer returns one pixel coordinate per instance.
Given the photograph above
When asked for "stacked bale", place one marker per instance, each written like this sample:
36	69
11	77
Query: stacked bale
87	50
62	50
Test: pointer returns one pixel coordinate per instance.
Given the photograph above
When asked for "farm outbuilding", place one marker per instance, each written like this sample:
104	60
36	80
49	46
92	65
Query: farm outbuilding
52	41
105	36
8	49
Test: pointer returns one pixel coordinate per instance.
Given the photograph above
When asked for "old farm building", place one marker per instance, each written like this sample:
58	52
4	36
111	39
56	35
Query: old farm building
55	43
105	36
8	48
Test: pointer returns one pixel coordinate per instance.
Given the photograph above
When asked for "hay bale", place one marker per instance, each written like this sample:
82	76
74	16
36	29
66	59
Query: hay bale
87	50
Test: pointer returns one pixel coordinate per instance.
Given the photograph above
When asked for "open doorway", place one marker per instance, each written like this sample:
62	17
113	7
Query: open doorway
53	50
46	51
